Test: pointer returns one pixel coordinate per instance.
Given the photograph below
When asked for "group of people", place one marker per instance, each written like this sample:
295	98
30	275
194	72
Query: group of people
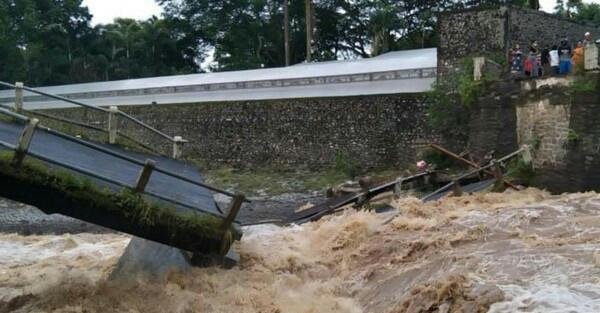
556	60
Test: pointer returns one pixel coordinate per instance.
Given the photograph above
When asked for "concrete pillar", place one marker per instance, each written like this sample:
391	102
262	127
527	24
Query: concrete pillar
18	97
478	64
178	147
113	111
526	154
591	57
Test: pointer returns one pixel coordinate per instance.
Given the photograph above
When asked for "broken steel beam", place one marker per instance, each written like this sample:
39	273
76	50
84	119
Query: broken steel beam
475	171
332	204
470	163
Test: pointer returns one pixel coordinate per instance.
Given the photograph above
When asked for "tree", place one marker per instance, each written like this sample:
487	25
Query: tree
46	42
588	13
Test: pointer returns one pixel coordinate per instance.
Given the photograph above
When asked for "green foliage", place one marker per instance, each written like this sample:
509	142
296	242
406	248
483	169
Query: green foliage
522	172
536	142
58	189
583	83
468	89
242	34
579	11
248	34
51	42
572	136
273	181
449	101
344	164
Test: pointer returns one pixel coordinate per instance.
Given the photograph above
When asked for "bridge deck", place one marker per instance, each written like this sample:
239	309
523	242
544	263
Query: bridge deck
56	148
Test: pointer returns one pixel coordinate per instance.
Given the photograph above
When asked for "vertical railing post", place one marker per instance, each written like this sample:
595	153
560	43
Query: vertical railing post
177	147
113	111
457	190
144	176
18	97
234	210
24	142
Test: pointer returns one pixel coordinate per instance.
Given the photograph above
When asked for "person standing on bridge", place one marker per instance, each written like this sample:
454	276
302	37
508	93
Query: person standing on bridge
578	65
516	60
564	54
554	61
534	60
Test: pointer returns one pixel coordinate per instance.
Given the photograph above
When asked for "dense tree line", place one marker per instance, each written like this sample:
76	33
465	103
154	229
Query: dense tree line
46	42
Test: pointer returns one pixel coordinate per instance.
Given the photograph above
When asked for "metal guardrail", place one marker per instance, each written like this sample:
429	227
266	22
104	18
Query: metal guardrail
22	149
113	111
491	164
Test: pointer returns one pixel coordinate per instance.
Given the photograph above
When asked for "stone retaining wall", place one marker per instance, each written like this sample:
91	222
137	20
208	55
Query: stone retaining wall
371	131
558	122
493	31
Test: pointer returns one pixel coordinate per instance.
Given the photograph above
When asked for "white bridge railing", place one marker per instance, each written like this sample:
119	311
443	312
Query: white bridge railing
113	114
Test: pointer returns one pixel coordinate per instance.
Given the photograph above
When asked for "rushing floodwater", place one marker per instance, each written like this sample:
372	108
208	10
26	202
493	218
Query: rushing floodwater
511	252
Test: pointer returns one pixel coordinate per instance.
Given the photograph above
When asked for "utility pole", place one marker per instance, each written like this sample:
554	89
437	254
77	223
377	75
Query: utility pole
286	31
309	30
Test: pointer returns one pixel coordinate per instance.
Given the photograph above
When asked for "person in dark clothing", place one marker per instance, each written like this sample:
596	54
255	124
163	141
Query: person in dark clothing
565	52
546	60
534	66
516	60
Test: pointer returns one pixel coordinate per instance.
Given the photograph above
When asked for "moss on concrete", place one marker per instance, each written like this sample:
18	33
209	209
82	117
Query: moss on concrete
59	191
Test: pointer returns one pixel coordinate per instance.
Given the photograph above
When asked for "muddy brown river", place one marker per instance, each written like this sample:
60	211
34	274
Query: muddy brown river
523	251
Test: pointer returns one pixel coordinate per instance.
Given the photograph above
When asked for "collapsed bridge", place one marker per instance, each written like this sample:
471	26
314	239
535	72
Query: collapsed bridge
149	196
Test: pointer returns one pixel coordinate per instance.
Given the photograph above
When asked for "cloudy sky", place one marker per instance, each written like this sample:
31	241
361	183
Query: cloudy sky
105	11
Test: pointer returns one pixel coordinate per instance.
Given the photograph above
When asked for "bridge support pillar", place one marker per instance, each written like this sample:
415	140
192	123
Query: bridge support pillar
178	142
113	111
18	97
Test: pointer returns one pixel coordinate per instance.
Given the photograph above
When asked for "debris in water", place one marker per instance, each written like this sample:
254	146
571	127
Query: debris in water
525	251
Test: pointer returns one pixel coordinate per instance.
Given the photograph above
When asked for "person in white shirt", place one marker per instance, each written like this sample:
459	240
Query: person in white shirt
554	61
591	60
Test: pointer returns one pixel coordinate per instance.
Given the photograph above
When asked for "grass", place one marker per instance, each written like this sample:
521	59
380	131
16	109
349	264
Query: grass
276	182
59	191
583	83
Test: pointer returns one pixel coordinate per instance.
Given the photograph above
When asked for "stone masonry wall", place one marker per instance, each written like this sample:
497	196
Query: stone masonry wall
470	33
525	25
492	121
561	127
493	31
372	131
558	122
545	126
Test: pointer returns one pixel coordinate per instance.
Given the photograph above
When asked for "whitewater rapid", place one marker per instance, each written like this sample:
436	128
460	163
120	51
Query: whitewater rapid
523	251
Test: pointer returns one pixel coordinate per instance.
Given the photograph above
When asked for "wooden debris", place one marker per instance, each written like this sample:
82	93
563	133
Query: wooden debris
471	164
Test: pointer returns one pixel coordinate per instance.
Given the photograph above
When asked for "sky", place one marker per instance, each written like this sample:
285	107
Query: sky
548	5
105	11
